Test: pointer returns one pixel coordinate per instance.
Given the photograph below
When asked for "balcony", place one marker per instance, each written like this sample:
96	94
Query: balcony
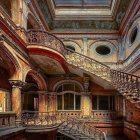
45	47
46	39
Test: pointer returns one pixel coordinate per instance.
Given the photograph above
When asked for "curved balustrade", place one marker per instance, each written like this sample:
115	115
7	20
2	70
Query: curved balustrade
88	64
46	39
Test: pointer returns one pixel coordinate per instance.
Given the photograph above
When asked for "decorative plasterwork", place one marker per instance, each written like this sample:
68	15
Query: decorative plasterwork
100	21
91	10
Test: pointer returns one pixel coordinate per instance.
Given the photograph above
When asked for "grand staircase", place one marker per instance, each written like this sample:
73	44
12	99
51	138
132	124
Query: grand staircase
126	84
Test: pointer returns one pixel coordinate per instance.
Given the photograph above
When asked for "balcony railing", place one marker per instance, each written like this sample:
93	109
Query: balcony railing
104	115
38	37
7	119
73	127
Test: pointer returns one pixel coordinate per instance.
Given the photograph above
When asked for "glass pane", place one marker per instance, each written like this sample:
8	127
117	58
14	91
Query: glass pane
103	103
94	102
59	102
69	87
77	102
68	101
59	89
112	103
77	88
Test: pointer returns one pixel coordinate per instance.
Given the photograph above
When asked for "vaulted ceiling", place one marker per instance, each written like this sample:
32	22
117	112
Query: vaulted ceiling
84	14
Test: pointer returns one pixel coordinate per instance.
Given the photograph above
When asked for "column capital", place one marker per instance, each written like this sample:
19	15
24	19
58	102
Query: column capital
17	83
42	92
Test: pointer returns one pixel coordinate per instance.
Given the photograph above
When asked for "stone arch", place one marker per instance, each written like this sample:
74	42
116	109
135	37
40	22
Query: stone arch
67	81
14	66
38	78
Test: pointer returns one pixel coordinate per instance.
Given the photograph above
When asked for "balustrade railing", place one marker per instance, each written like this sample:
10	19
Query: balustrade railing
46	39
7	120
104	115
70	126
79	129
69	113
128	85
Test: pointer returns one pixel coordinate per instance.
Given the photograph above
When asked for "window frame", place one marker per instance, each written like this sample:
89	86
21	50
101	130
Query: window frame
109	103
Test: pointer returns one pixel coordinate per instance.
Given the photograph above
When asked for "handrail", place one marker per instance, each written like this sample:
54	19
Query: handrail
69	50
45	38
66	124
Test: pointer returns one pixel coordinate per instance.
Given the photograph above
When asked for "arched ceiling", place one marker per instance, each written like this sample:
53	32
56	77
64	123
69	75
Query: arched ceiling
84	14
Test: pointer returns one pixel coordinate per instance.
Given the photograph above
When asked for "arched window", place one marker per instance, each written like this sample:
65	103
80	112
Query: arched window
68	97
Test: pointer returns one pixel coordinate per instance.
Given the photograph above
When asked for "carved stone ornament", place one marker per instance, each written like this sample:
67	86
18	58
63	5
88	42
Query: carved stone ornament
17	83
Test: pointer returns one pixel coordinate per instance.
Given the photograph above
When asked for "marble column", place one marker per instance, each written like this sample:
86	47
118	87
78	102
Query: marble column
16	97
42	102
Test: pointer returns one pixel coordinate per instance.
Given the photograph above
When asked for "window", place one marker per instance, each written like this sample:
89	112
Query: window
133	35
103	50
103	102
68	101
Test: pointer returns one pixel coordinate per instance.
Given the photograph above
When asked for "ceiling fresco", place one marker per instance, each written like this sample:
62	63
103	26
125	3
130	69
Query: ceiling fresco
76	24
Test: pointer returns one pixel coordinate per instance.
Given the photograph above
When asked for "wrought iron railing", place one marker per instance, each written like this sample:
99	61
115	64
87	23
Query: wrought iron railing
46	39
79	129
88	64
127	84
70	126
